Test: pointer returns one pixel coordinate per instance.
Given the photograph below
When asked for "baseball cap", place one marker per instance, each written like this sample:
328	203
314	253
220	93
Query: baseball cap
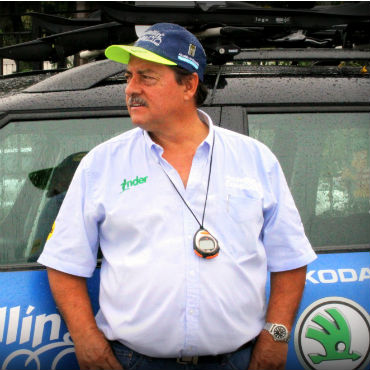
164	43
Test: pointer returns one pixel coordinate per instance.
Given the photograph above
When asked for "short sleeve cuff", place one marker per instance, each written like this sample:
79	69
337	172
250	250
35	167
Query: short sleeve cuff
295	262
65	266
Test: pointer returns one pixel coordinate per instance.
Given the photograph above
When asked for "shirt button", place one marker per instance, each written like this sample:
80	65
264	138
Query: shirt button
191	312
192	272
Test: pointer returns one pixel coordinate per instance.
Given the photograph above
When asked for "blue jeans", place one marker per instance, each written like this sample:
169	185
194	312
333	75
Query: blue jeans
131	360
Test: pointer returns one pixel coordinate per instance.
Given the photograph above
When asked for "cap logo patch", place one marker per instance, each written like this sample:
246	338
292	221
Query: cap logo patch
154	37
189	60
192	49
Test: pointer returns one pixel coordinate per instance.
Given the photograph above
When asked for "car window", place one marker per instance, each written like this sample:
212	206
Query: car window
325	158
37	162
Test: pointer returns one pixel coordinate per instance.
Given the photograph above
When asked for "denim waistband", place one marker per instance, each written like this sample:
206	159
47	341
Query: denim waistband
207	359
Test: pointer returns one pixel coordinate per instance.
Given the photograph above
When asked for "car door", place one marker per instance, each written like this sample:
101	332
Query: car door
37	161
325	158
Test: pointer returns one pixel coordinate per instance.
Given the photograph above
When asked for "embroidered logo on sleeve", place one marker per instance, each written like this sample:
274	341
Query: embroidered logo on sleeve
51	231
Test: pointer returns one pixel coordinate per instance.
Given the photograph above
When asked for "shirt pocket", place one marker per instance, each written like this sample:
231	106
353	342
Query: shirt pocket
244	207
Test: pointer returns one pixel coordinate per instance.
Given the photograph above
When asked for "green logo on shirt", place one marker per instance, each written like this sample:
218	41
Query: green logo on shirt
127	184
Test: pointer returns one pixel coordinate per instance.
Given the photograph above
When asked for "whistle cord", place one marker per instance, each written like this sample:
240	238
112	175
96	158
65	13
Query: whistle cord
209	178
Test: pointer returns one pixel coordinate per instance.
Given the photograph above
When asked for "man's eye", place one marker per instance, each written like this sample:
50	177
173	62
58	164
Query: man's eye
147	78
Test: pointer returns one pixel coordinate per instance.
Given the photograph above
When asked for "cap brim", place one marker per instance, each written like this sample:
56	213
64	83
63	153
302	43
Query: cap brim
121	54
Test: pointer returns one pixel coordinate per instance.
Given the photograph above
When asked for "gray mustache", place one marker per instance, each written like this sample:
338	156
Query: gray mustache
135	100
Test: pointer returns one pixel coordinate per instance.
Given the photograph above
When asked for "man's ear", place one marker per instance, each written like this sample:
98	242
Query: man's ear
190	86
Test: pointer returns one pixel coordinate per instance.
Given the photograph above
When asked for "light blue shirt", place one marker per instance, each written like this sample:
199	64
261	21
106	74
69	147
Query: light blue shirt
156	295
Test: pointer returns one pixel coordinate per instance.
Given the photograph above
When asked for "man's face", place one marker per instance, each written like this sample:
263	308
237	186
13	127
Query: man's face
153	96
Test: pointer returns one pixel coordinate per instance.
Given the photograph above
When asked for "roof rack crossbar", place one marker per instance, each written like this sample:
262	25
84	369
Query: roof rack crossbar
302	54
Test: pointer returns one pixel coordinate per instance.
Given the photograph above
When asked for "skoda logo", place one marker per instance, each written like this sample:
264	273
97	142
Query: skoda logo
333	333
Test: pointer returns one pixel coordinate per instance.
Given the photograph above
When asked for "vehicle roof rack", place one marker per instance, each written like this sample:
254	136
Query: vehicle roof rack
58	46
56	24
227	30
200	14
303	54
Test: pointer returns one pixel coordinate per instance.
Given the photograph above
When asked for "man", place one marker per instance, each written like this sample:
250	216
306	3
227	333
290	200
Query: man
189	218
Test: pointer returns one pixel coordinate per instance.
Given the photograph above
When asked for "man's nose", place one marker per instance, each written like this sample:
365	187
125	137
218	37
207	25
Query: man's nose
132	86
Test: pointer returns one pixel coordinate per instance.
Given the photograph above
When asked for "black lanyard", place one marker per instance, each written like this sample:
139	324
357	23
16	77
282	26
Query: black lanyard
205	201
205	245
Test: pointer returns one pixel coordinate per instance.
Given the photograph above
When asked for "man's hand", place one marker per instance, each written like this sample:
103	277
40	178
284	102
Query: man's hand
268	354
93	352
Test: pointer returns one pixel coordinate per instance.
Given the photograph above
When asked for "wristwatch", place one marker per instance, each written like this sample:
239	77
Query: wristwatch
279	332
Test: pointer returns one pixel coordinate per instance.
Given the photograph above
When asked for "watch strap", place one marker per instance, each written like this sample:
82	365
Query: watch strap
279	332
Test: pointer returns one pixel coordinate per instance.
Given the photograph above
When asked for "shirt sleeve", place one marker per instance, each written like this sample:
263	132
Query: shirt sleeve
286	244
73	242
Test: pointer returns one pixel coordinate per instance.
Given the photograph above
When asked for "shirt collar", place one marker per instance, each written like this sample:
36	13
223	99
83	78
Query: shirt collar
204	117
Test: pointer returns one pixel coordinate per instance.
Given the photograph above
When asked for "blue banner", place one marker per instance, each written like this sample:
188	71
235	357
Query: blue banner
32	332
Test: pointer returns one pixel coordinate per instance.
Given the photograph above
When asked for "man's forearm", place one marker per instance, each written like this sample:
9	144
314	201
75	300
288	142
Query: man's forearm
286	288
285	296
71	296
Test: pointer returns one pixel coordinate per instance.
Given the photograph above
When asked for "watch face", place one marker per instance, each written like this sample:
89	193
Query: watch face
206	244
280	333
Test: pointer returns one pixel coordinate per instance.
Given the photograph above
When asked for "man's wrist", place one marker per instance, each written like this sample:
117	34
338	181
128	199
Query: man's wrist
85	334
279	332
